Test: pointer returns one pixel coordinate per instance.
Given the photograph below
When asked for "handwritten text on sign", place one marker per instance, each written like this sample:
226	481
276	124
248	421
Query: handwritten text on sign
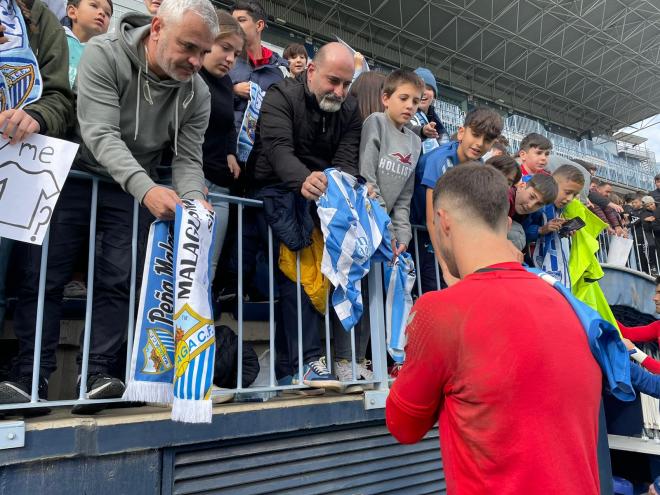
32	174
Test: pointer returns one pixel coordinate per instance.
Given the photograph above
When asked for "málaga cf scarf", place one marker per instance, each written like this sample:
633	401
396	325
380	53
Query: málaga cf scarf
174	344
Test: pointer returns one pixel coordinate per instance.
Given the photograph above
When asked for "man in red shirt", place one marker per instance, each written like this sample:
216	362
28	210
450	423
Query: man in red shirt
499	359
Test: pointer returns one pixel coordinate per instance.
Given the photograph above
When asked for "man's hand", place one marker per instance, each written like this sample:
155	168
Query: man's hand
314	186
429	131
242	90
552	226
162	202
615	207
233	165
629	345
18	125
3	38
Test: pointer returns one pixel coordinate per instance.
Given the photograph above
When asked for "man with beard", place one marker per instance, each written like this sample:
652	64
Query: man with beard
514	386
306	125
138	95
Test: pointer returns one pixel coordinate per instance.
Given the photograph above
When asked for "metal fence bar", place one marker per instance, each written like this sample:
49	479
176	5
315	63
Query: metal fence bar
328	353
90	290
271	309
38	331
299	321
239	299
419	278
377	318
132	287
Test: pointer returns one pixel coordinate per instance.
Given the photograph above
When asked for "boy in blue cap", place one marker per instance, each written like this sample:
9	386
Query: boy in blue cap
426	113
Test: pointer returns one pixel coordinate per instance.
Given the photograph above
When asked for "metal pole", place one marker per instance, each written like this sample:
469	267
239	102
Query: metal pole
132	290
376	314
38	331
271	308
299	308
239	374
90	289
419	271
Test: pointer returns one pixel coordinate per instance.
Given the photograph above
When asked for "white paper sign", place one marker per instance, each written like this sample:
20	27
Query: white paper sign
32	174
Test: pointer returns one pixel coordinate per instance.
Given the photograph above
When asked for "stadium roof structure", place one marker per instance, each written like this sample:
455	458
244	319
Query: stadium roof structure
587	65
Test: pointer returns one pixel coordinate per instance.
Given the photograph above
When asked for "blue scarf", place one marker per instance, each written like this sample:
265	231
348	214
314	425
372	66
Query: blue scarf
551	251
174	345
249	125
20	79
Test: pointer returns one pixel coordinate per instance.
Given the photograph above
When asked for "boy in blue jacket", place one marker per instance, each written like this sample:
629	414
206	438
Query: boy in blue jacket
480	129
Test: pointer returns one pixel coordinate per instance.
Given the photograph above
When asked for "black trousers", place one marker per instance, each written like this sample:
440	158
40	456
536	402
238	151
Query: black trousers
69	232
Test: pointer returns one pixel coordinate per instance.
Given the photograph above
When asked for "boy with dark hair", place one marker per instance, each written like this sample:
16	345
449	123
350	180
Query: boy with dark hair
545	247
480	129
530	196
508	166
262	67
296	55
388	155
88	18
533	153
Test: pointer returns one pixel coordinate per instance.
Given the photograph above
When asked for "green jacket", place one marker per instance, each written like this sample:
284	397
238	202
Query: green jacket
54	110
584	268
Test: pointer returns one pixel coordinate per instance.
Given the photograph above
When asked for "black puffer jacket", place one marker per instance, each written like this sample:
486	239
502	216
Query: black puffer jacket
294	137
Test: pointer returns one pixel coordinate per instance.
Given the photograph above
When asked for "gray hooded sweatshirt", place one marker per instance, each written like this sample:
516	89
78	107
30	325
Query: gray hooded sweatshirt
128	116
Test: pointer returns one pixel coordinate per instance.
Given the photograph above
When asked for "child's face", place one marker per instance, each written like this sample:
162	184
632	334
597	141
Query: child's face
511	178
223	55
402	104
528	199
636	203
472	146
568	190
534	159
297	64
427	99
251	28
90	18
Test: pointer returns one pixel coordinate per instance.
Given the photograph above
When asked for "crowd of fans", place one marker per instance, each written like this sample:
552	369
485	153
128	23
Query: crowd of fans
161	104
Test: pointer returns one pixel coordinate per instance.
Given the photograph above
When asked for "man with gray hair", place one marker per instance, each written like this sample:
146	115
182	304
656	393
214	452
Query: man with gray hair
139	97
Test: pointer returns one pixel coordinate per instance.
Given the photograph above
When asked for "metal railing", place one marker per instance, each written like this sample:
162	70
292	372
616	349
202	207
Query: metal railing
643	255
375	308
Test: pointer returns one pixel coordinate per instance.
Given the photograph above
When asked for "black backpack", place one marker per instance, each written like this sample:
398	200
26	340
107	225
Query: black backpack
226	359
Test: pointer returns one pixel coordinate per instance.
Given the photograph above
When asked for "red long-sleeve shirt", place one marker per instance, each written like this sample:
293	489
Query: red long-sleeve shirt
644	333
514	386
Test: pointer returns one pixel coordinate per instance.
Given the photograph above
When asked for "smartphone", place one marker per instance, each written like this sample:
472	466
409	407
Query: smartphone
571	226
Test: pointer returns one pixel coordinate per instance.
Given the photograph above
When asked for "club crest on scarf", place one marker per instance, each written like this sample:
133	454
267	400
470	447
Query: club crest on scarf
157	351
20	80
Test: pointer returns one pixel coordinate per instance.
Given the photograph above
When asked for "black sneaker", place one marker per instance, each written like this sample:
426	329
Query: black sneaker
99	386
19	390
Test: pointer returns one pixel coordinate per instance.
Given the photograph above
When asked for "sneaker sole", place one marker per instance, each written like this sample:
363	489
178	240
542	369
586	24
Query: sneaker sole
333	385
353	389
9	394
305	392
110	390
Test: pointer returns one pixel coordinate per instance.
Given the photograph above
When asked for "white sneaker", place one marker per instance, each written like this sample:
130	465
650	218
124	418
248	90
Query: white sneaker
364	371
344	371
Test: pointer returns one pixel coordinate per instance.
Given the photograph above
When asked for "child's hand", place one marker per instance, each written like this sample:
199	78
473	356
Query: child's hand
429	131
552	226
401	249
371	191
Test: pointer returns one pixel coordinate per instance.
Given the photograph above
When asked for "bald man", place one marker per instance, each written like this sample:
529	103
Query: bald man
306	125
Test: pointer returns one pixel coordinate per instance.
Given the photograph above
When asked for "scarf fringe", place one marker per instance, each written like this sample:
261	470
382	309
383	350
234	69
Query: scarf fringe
159	393
192	411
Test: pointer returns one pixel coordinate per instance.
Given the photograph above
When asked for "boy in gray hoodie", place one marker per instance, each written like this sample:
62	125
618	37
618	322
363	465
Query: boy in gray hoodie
389	151
388	155
138	95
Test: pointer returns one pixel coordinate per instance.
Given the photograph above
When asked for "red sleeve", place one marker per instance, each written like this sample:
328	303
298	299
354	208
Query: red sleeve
414	401
646	333
653	365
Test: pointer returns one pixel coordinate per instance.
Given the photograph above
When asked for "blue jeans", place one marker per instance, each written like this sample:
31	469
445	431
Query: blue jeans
221	209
